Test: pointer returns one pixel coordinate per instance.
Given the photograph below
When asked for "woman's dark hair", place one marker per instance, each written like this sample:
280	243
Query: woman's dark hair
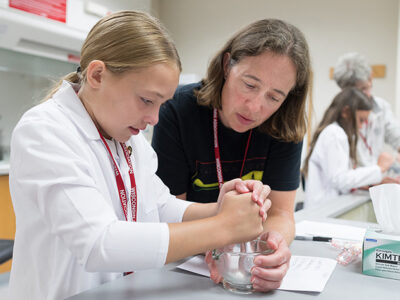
288	123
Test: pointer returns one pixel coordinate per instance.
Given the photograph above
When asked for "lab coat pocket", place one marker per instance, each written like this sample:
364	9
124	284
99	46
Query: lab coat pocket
150	213
148	210
149	207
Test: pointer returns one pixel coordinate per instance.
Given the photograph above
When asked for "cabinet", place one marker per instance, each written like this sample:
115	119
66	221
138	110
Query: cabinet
7	217
363	213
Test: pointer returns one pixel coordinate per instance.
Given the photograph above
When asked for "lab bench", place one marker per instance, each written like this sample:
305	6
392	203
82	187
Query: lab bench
356	206
346	282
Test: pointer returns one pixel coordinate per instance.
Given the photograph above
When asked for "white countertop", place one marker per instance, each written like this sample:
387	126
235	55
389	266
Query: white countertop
347	282
334	208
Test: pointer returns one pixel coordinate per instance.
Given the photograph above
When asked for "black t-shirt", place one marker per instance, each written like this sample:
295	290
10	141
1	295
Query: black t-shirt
183	140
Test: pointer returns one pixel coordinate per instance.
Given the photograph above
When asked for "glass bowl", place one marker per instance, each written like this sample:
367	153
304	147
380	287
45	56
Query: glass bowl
234	263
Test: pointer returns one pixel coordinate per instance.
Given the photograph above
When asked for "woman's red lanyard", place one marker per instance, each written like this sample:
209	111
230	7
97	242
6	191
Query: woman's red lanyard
217	153
120	183
365	139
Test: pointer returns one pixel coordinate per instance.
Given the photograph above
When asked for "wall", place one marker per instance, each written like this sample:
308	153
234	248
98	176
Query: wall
331	28
398	66
23	78
78	18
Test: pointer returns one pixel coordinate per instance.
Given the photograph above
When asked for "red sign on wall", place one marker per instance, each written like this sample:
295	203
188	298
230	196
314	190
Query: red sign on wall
51	9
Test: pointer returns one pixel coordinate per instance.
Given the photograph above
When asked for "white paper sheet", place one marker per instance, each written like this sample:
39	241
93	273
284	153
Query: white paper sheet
311	228
306	273
196	265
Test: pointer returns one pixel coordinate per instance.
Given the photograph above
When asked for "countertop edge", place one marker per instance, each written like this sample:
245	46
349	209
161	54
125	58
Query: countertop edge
335	207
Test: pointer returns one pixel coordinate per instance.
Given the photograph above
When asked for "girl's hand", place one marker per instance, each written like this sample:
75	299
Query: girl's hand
259	192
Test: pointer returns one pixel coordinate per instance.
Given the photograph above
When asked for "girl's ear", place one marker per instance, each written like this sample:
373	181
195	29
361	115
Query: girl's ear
345	113
95	73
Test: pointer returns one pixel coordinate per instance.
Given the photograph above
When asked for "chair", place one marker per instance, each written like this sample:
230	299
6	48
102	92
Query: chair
6	250
300	204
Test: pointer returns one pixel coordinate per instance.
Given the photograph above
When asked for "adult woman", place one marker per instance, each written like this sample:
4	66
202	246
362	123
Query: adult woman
330	164
245	119
87	201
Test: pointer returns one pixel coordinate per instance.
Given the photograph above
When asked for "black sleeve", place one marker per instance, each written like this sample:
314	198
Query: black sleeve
167	142
282	169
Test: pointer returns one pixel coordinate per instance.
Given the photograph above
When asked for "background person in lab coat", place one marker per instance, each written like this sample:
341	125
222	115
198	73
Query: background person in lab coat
352	70
87	201
329	167
248	113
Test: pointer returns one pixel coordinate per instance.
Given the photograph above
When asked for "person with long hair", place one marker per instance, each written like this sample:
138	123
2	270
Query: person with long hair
330	167
382	128
245	119
88	204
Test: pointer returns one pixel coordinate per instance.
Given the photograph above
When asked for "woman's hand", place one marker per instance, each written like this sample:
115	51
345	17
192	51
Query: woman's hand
269	270
212	267
388	179
385	160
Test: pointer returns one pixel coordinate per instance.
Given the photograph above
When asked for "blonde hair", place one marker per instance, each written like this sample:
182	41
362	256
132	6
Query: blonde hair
124	41
278	37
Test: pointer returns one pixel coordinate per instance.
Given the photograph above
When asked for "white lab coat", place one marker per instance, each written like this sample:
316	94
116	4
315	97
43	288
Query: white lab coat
71	232
330	171
382	128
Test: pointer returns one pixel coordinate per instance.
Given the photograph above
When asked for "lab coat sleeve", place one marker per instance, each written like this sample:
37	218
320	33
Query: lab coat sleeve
392	127
51	171
127	246
336	164
148	242
171	209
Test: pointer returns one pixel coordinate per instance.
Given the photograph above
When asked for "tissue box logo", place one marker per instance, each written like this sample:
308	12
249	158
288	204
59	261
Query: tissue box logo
381	248
381	255
386	257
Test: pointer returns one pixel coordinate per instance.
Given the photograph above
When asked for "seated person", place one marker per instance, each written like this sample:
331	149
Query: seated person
330	166
246	119
353	70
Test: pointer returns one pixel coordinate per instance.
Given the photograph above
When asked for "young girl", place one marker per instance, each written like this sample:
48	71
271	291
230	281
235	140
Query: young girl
353	70
87	201
330	164
246	119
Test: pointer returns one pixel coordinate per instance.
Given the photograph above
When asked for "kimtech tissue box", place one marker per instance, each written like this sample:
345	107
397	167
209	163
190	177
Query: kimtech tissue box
381	254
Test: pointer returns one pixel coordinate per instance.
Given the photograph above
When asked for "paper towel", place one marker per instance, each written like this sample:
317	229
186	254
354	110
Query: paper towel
386	201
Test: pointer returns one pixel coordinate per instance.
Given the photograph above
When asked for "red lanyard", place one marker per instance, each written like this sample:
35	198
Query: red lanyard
217	153
120	182
365	139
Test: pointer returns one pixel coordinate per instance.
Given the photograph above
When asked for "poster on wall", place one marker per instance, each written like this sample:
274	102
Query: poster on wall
51	9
